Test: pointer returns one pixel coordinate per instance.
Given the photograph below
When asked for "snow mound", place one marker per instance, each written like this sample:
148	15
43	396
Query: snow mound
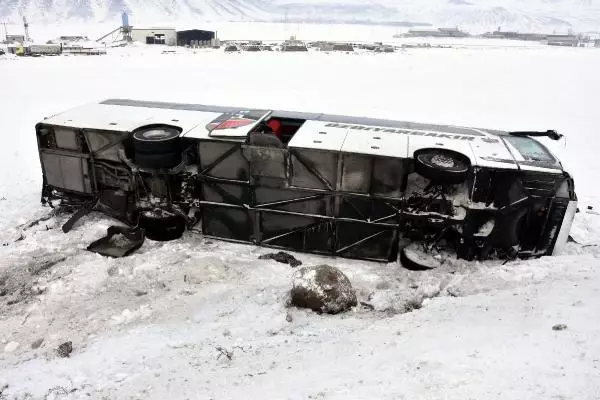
148	326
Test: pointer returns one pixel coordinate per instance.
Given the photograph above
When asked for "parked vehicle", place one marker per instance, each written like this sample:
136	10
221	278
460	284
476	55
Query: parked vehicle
293	45
230	48
328	184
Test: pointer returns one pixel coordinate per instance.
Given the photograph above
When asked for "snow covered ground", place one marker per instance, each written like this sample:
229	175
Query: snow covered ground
148	326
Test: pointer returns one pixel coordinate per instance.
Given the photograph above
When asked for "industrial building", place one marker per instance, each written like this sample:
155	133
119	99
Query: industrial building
166	36
328	46
442	32
563	40
293	45
84	48
195	38
71	39
15	39
171	37
534	37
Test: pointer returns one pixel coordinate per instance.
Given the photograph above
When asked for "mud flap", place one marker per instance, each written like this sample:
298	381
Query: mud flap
118	242
82	212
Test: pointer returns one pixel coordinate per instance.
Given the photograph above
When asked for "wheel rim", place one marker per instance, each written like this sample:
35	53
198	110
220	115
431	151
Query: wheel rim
443	161
156	134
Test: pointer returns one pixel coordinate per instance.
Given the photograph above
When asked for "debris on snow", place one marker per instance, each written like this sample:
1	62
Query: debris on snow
65	349
37	343
58	392
559	327
227	353
283	258
322	288
37	268
35	222
224	352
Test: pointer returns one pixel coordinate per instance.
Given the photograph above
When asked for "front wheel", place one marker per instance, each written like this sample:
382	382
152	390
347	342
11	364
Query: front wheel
442	166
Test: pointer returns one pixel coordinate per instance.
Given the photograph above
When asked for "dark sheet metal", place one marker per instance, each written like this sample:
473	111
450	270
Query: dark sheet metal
118	242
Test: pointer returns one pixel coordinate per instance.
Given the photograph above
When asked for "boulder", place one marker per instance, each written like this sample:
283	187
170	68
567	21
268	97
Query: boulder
65	349
322	288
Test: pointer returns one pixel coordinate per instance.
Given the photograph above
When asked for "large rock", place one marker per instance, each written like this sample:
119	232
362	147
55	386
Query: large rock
323	289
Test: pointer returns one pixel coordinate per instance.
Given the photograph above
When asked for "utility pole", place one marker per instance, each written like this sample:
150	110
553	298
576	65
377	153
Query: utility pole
5	31
26	26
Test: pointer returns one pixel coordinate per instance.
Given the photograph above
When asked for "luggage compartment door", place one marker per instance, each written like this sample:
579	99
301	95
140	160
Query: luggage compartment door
67	172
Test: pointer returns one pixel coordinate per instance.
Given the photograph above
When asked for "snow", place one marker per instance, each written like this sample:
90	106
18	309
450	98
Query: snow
149	325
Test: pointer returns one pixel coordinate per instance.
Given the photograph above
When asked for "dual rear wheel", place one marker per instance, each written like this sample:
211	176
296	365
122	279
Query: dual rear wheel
157	147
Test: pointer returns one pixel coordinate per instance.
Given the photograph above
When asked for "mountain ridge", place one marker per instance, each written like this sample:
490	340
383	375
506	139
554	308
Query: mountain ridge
467	14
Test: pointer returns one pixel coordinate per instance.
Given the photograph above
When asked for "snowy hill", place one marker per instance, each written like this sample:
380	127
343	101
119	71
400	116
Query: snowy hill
475	15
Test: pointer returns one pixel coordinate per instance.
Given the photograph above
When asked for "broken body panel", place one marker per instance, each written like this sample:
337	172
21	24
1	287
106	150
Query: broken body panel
330	184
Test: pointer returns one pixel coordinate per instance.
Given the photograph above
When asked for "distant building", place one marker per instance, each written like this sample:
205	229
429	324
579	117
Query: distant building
73	39
83	48
15	39
453	32
66	40
502	35
424	33
195	38
534	37
384	49
597	43
442	32
326	46
293	45
166	36
343	47
563	40
253	47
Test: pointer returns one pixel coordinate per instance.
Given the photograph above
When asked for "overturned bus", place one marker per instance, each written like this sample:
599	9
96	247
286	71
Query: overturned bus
328	184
